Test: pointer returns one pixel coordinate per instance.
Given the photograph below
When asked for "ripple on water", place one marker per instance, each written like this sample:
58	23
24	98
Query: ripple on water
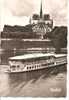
35	83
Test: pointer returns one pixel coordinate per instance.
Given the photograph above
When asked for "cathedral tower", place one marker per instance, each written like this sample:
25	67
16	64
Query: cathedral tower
41	11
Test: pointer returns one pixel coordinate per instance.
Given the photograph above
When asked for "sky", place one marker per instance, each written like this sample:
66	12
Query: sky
18	12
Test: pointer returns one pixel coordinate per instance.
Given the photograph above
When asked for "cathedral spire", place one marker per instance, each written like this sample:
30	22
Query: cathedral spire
41	13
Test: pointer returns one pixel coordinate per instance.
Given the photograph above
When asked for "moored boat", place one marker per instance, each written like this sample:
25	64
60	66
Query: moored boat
35	61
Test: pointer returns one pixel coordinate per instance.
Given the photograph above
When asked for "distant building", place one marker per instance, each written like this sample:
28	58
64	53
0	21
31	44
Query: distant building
42	23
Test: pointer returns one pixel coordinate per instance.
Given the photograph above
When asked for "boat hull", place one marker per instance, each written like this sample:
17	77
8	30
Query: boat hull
42	68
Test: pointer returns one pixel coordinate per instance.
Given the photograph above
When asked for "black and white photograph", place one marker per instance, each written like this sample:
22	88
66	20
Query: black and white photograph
33	48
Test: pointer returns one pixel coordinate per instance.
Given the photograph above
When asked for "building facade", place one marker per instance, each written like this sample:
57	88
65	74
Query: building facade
42	23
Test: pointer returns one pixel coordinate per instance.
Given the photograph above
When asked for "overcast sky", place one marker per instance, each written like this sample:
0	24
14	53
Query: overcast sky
17	12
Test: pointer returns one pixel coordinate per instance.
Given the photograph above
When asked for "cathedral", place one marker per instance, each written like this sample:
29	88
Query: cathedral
42	23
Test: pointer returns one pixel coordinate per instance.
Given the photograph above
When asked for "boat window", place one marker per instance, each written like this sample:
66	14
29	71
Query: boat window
10	66
44	64
13	69
32	66
50	63
18	66
13	66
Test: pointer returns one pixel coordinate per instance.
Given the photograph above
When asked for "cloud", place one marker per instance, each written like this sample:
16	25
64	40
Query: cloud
26	7
20	7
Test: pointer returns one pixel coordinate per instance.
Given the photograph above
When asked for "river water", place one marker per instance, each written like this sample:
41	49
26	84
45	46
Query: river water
49	82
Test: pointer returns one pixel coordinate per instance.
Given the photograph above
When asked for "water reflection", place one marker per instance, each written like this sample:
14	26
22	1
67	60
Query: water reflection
35	83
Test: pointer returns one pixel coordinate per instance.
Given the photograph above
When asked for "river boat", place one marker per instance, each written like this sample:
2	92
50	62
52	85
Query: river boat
35	61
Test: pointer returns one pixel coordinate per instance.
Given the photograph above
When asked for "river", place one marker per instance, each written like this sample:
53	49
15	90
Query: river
49	82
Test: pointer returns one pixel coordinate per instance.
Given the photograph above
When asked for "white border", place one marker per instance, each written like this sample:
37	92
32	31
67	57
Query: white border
68	56
30	98
49	98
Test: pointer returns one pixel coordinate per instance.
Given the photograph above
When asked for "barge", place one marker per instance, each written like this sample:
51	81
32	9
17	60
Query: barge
35	61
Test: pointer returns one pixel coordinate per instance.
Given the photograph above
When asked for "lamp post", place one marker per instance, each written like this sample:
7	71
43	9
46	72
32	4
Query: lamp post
14	51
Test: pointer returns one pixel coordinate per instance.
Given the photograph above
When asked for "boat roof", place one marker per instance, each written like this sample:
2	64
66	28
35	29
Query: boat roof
30	56
59	55
35	55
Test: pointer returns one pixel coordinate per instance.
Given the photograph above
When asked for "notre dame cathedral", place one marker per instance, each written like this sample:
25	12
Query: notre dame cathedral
42	23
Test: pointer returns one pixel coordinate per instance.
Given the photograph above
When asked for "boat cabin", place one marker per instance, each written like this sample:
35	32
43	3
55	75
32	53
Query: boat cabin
31	61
